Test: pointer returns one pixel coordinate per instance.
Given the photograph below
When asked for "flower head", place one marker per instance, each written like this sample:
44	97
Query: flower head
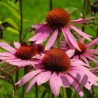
58	20
20	56
86	53
56	66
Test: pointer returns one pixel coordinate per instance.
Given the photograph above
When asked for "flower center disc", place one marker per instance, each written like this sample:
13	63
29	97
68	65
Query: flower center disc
57	18
56	60
26	52
82	47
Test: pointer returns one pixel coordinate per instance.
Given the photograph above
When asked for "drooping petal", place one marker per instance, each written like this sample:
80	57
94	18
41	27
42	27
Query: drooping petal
70	52
81	20
84	59
51	40
17	45
27	77
7	47
6	54
39	33
66	38
90	57
55	83
94	51
37	26
71	38
80	32
75	62
76	85
43	37
21	63
43	77
33	81
92	42
36	36
85	82
65	80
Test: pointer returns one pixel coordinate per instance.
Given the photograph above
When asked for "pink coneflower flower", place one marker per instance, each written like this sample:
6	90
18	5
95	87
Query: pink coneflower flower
19	56
58	20
57	67
86	53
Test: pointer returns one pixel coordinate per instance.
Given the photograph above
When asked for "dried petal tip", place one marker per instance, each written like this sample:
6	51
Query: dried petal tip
57	18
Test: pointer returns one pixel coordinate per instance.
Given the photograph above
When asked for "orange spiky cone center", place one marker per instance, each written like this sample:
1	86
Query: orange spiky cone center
56	60
26	52
57	18
82	48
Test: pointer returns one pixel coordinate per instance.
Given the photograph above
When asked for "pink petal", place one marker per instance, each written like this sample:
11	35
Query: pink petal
66	38
92	42
65	80
37	26
81	20
84	81
84	59
51	40
70	52
33	81
94	51
80	32
55	83
7	47
17	45
76	57
39	33
90	57
43	37
6	54
36	36
21	63
75	62
76	85
71	38
27	77
43	77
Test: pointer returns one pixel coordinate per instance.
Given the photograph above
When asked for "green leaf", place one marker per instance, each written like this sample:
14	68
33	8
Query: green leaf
11	21
14	11
5	76
71	10
12	30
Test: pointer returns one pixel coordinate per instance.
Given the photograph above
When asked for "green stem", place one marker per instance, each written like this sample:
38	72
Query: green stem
64	93
14	91
21	21
59	40
84	12
51	5
17	75
23	91
36	91
20	31
23	88
44	93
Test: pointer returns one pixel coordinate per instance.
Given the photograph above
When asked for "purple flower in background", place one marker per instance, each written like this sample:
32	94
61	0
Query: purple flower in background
19	56
58	20
87	53
56	67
